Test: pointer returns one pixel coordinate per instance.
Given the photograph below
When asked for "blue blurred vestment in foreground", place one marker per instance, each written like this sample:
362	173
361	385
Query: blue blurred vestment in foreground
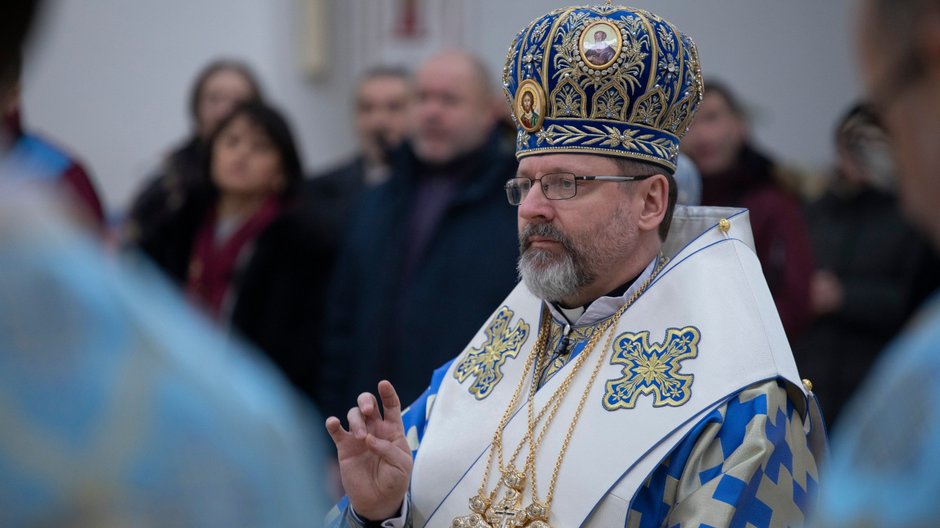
120	406
884	466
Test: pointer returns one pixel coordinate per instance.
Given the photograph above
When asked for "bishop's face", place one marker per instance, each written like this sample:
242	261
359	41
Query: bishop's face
569	247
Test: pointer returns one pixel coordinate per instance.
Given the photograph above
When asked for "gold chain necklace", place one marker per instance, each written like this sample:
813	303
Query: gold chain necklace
486	512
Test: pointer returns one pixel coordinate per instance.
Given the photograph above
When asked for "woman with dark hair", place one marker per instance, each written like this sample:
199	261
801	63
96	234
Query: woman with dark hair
239	248
220	86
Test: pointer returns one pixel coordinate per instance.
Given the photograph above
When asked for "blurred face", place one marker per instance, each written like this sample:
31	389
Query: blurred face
453	115
382	114
568	247
221	92
910	111
715	137
864	156
245	162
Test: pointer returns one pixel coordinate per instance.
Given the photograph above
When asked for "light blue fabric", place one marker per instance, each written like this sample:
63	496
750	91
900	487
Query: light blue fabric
121	406
34	158
886	451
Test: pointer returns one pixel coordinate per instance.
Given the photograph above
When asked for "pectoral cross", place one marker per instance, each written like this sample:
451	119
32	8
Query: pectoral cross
507	517
508	513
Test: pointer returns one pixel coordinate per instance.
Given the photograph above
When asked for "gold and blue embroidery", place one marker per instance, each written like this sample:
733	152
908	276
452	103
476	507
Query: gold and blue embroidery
617	81
652	369
502	343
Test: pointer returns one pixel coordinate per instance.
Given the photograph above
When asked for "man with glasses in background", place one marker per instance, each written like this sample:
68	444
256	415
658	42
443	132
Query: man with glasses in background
639	375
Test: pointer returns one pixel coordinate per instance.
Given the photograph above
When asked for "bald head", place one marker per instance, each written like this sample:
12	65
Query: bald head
454	114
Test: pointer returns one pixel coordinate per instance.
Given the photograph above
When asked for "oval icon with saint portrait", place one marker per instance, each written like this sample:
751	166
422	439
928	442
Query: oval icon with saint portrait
530	105
600	45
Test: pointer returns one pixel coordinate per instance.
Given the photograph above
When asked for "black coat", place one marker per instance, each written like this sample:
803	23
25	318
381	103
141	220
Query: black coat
166	192
381	328
279	289
864	241
331	197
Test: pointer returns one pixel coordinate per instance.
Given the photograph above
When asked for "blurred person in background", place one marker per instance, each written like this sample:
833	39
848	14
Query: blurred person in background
120	405
886	446
734	173
382	116
867	257
430	251
219	87
31	155
242	249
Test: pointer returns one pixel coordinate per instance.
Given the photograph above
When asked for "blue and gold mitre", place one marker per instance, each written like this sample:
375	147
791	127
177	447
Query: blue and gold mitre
603	79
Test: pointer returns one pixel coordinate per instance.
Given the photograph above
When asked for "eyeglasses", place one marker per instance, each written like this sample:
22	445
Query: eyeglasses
557	185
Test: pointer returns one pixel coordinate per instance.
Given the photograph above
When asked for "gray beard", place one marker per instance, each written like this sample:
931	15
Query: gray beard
549	276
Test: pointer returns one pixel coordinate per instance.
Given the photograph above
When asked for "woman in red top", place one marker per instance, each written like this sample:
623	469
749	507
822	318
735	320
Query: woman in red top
240	249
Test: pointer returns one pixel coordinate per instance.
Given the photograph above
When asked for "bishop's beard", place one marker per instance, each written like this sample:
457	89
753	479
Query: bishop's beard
548	275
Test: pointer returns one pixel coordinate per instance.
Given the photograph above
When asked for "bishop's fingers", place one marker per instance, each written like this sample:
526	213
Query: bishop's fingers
391	404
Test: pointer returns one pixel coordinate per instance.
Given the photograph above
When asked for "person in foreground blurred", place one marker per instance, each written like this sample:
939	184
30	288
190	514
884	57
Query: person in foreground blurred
120	405
219	87
886	449
640	374
27	154
243	251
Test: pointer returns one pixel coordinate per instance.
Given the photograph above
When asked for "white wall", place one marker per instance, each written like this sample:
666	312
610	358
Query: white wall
109	78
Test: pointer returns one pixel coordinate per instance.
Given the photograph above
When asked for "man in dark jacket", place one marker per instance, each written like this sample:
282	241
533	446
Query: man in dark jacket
383	101
430	252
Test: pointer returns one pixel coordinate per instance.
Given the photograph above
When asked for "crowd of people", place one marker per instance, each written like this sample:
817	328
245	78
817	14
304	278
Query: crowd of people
467	273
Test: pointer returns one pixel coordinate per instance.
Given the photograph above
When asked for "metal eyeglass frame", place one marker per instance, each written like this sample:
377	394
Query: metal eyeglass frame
514	186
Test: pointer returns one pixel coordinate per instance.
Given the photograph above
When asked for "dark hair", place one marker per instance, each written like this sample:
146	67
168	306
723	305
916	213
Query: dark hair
275	127
731	99
215	67
632	167
898	19
858	114
12	69
15	24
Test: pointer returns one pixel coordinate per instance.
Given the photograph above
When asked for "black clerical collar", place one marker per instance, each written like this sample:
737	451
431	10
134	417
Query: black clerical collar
573	314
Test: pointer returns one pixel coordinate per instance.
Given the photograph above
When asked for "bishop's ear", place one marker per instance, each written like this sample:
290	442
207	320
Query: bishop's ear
655	201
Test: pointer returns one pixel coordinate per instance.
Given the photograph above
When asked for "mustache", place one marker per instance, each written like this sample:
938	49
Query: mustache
543	231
